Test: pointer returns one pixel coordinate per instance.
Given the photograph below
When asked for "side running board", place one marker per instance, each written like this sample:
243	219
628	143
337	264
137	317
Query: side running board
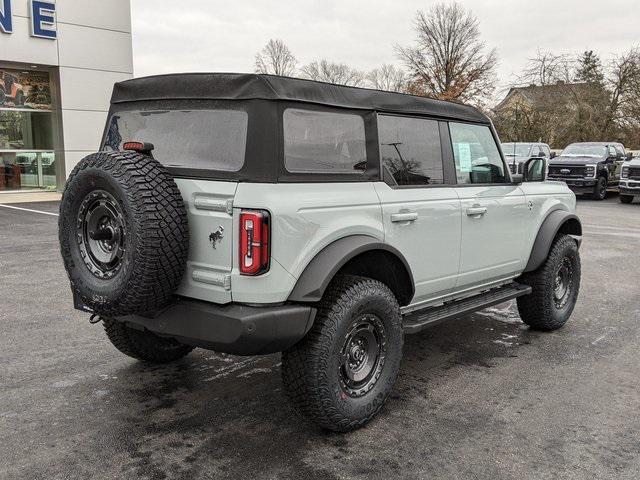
417	321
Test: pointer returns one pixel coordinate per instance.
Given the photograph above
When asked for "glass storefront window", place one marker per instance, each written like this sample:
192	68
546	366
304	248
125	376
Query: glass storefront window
26	144
27	170
27	158
20	130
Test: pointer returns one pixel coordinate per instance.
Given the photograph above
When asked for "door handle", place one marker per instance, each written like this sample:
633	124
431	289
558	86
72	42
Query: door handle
404	217
476	211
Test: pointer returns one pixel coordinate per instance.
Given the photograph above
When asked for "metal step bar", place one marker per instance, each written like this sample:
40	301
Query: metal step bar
421	319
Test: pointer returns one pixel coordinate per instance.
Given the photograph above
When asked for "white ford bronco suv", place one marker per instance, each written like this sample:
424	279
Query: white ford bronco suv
253	214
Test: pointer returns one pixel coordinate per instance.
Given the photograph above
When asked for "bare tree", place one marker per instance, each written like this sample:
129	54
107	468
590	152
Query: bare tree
547	68
331	72
389	78
276	58
624	87
449	59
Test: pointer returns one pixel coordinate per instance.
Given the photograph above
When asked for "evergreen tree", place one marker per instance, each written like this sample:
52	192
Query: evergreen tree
589	68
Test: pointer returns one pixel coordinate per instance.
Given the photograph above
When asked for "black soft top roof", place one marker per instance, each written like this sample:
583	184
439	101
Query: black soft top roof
248	86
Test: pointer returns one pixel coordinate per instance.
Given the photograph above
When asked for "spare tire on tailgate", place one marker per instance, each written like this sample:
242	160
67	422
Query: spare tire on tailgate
123	233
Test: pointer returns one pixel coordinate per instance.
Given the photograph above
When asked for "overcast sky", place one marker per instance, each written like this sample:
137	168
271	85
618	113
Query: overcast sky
212	35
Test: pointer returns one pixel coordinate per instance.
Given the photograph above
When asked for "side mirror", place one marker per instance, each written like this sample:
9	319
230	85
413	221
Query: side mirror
517	178
535	170
554	154
629	156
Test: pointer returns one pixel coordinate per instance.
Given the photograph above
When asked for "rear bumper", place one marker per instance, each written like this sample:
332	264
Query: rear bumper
234	328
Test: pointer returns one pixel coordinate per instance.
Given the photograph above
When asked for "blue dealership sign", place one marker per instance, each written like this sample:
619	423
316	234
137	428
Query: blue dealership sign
43	18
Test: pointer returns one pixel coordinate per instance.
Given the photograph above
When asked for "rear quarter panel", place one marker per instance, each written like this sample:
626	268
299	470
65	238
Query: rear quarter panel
306	217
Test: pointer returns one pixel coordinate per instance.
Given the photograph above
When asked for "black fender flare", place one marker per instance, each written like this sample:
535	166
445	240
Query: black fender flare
603	172
318	273
548	231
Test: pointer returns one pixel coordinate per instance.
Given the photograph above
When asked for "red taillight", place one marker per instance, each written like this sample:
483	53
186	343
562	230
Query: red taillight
254	242
140	147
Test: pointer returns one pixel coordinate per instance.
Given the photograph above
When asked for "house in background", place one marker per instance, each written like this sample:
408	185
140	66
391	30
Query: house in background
543	113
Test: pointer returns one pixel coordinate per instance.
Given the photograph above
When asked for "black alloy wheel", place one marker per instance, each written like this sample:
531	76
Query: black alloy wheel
363	355
563	283
600	190
101	233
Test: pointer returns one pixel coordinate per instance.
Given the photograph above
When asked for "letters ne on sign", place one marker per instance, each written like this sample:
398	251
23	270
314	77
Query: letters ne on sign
42	18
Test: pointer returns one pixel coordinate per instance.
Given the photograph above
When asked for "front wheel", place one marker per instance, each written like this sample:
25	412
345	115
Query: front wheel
626	198
342	372
555	287
600	190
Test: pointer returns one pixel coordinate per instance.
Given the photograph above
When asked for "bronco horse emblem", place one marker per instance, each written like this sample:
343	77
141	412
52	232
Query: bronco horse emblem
215	237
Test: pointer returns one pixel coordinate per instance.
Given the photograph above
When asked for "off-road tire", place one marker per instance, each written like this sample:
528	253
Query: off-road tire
144	345
155	233
600	189
311	369
539	309
626	198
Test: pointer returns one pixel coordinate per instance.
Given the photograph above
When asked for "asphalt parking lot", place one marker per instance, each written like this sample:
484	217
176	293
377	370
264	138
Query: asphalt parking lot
479	397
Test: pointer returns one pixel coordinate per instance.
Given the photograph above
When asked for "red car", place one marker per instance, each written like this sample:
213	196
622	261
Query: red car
11	90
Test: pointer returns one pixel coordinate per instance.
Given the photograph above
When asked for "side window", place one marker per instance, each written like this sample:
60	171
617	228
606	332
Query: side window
547	151
620	151
476	154
410	150
612	151
323	142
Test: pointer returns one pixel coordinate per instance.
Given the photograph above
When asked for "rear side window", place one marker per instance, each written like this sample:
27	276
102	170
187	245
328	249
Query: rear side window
323	142
476	154
410	150
197	139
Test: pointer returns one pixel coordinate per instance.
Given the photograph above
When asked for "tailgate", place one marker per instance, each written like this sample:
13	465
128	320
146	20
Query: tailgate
211	247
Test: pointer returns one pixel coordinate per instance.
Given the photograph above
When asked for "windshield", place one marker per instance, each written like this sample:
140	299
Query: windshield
577	150
516	149
197	139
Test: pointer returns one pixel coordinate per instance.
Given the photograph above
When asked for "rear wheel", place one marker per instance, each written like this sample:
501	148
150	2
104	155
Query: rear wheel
341	373
555	285
626	198
143	345
600	190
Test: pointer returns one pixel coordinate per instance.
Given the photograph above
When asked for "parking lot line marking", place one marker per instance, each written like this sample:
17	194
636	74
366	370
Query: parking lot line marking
28	210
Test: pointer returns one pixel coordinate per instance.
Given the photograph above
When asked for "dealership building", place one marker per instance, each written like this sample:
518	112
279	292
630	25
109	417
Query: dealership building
58	63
